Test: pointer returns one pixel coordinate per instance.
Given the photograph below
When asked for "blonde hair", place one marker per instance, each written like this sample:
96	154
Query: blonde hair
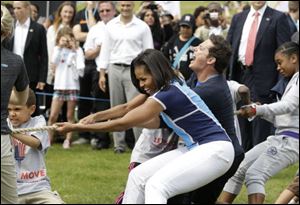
7	23
25	3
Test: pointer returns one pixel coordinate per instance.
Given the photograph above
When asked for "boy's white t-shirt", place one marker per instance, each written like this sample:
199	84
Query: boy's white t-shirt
153	142
30	163
95	36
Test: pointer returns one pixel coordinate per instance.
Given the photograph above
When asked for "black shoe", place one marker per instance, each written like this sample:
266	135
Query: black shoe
100	146
119	151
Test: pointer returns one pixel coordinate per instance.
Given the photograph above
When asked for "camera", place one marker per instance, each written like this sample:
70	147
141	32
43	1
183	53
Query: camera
152	7
206	16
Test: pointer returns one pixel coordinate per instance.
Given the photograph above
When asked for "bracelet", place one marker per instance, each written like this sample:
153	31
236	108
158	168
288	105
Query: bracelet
253	109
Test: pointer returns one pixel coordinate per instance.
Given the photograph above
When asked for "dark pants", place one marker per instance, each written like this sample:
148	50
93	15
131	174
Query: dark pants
89	88
254	132
258	130
209	193
32	86
48	99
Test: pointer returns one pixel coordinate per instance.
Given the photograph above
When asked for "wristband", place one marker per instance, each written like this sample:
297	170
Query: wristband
253	109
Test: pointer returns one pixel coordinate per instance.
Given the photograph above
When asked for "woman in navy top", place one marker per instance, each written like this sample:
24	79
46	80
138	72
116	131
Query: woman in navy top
209	152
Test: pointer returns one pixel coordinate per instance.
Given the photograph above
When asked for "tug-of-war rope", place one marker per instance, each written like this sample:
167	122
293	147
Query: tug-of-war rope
52	127
32	129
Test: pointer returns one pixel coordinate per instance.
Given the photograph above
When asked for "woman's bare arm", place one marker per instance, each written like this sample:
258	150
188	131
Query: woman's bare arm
116	111
141	116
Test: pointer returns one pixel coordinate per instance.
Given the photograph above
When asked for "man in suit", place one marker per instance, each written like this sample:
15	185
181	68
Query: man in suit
30	43
254	35
293	16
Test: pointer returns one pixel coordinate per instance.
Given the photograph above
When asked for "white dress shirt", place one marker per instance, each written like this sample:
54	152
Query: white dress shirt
246	30
122	43
20	36
95	36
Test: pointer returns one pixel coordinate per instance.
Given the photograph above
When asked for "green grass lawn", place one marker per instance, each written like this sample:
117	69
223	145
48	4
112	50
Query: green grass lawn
85	176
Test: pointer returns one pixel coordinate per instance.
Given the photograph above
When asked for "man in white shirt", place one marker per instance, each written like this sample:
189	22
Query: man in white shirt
92	48
126	36
21	31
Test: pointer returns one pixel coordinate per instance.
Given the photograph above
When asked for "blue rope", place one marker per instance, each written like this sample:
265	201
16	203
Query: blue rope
79	97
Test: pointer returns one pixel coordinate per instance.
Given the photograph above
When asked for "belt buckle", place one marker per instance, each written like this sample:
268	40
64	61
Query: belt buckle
122	64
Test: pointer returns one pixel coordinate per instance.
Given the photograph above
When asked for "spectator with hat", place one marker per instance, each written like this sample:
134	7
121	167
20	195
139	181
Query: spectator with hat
179	48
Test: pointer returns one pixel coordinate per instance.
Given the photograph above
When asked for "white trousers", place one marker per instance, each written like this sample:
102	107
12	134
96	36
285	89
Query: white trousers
176	172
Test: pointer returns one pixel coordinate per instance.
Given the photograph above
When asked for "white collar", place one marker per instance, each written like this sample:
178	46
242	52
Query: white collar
261	11
26	24
133	20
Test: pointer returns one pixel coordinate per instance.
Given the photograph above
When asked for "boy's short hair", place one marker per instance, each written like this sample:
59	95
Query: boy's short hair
31	98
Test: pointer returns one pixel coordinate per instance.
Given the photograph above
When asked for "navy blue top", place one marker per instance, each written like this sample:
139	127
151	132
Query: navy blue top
189	117
216	94
13	73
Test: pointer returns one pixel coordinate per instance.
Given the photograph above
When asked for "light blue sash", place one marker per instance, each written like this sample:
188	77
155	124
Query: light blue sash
181	52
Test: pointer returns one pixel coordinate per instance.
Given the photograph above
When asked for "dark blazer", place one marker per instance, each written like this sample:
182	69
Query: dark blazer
292	25
273	31
35	53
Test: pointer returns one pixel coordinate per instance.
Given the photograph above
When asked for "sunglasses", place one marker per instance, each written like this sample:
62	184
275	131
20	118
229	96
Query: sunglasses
102	11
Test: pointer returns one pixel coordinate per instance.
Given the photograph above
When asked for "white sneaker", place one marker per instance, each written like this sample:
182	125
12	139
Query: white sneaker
94	142
81	141
66	144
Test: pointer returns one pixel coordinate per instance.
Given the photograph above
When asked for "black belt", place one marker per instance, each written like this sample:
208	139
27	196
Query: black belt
122	64
244	67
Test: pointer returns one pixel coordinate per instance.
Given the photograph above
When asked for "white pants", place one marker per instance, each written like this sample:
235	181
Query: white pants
176	172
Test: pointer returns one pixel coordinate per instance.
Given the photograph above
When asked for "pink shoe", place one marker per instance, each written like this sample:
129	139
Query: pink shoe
66	144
